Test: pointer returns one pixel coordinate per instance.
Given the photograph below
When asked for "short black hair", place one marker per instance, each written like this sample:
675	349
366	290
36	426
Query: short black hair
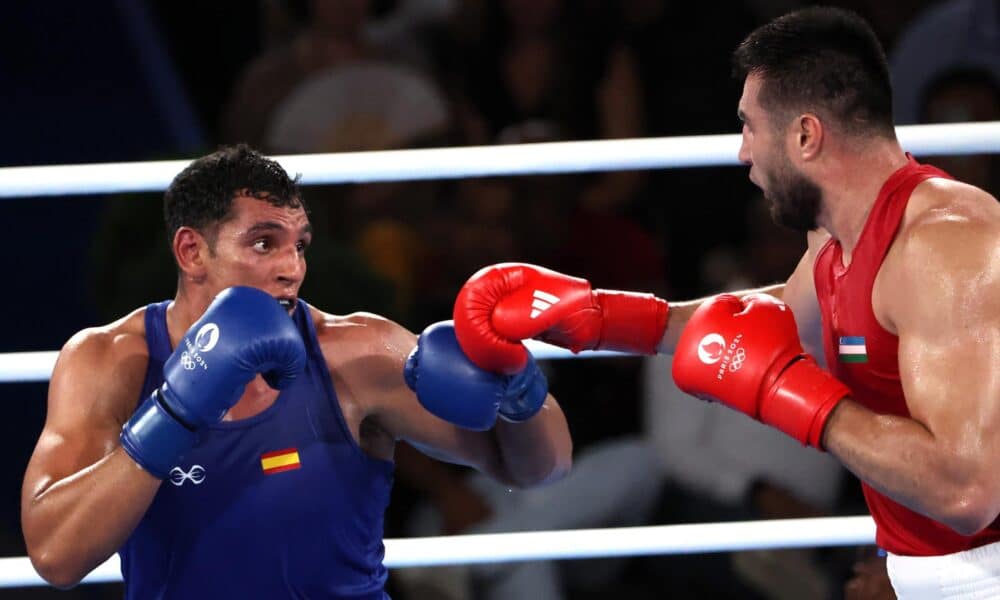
202	194
825	60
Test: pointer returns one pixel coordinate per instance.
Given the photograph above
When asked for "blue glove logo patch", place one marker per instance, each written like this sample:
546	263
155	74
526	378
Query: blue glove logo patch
207	337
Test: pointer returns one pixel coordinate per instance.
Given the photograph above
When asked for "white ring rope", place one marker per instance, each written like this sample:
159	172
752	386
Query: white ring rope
579	543
37	366
472	161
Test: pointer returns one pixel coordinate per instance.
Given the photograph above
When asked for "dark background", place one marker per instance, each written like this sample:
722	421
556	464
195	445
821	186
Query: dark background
126	80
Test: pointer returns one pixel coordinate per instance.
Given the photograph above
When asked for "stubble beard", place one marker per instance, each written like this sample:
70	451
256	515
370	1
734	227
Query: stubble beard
794	199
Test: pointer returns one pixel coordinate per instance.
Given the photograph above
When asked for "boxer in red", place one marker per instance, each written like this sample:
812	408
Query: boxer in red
899	292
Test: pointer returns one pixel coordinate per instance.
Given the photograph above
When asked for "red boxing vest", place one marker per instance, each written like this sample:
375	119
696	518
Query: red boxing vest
864	356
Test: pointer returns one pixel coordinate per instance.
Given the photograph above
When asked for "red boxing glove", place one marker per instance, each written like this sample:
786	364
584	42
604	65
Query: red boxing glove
746	354
503	304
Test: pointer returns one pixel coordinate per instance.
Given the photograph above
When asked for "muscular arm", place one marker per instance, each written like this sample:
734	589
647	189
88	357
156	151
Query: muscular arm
82	494
941	293
518	454
798	292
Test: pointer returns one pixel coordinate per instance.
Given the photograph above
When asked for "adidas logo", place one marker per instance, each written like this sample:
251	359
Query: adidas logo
542	302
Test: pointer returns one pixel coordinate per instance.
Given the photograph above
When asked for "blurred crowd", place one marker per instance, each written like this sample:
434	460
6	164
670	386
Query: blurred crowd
305	76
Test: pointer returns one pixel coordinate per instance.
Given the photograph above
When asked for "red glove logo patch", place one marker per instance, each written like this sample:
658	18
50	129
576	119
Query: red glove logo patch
710	348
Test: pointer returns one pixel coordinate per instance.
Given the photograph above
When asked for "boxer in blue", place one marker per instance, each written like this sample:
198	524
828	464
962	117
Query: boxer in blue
236	442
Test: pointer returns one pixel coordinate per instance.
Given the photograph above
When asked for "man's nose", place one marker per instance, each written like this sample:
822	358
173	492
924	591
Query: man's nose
292	266
744	155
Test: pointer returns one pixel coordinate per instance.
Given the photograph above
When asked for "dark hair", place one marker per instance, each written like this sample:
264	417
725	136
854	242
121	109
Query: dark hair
825	60
202	194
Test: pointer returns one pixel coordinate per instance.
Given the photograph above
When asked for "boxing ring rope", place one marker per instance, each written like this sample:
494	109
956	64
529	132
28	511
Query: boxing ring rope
560	157
16	367
472	161
578	543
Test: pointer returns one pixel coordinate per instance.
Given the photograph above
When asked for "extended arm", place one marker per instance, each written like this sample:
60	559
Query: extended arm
519	450
798	292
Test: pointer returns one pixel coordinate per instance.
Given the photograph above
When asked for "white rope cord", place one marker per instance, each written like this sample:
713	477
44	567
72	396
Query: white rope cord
579	543
472	161
37	366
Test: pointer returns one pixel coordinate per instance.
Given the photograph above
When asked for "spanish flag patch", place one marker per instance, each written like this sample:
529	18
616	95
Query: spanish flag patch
280	460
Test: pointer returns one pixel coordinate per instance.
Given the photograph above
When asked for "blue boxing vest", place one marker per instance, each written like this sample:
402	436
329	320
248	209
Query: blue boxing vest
283	504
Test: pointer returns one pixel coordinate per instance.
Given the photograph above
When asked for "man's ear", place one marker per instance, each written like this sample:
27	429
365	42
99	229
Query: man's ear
809	132
190	251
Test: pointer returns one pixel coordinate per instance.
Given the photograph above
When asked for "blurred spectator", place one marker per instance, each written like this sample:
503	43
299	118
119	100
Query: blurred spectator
946	69
888	19
544	71
957	34
332	33
965	95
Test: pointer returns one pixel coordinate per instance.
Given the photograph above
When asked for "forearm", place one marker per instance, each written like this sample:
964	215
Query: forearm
680	312
538	450
900	458
76	523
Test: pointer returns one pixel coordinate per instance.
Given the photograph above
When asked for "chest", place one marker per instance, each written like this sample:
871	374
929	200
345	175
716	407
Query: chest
283	467
859	350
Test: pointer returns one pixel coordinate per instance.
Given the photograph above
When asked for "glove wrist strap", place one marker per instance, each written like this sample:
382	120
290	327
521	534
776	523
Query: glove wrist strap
801	400
632	322
154	438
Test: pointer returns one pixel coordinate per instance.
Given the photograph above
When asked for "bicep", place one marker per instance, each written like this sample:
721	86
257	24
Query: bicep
949	347
89	400
799	294
944	300
396	410
403	417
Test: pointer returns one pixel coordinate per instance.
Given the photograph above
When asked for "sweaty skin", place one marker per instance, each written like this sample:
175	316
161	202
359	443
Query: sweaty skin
83	495
938	290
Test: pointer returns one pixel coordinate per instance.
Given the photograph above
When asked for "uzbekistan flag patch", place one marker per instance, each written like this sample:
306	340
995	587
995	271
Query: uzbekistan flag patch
280	460
852	349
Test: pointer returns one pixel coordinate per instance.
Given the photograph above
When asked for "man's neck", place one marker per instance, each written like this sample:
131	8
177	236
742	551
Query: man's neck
852	185
187	307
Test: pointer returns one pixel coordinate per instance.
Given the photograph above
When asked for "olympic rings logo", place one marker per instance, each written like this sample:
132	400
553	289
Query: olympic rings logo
739	357
186	361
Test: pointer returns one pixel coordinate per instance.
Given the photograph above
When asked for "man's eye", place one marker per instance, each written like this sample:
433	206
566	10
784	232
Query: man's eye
302	246
261	245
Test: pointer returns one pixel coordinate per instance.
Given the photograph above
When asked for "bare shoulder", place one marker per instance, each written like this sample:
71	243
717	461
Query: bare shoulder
949	224
947	252
362	339
100	370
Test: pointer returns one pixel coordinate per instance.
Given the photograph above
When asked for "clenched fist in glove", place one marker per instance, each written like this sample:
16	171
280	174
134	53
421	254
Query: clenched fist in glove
505	303
745	352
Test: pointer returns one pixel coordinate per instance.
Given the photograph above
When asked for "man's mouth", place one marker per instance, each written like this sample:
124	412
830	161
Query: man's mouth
287	303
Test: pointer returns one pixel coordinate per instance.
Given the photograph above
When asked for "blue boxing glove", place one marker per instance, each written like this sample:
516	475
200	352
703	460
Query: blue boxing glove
243	332
451	387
